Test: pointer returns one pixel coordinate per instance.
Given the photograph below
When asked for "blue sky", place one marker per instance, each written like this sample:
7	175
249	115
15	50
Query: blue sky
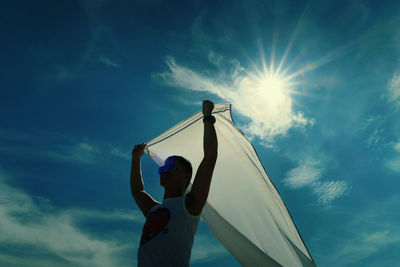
82	82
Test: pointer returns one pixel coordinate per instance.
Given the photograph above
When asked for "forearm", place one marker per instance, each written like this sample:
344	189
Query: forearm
210	143
136	176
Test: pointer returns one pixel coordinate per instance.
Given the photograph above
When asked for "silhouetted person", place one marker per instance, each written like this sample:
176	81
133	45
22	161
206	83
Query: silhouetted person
168	234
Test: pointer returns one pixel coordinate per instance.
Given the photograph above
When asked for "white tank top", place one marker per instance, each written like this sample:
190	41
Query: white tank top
168	235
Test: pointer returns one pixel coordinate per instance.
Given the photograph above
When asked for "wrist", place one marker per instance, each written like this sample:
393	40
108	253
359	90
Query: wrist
209	118
135	158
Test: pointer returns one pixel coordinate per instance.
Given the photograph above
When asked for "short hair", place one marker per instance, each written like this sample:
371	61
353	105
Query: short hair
187	166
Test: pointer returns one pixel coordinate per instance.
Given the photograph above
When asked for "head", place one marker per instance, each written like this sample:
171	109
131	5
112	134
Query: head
176	173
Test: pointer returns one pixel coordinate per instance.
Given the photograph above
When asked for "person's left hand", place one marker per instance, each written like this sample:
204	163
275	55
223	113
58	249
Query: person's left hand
208	107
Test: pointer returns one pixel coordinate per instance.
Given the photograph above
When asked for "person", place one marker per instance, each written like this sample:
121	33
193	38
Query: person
168	233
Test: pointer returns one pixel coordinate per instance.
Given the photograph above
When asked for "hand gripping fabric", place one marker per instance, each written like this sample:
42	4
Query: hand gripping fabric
244	210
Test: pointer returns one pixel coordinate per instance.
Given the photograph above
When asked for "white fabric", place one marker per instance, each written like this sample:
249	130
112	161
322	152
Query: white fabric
244	210
168	235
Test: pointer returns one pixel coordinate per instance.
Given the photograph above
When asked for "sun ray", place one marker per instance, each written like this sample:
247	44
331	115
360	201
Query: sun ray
263	61
322	61
274	40
293	37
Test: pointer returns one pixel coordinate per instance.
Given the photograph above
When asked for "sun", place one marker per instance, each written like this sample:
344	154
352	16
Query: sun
272	83
270	87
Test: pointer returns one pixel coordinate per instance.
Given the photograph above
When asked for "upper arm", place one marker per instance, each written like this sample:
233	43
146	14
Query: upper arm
144	201
197	197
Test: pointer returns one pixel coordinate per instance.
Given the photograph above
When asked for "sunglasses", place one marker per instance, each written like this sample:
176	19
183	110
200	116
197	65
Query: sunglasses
169	165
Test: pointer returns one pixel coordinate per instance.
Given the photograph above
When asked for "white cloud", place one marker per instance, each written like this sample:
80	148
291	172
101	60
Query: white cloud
394	88
364	244
214	58
393	163
308	173
377	237
81	152
369	231
269	109
375	138
397	146
186	101
12	135
372	129
52	146
107	61
206	249
83	214
121	154
305	174
326	192
25	223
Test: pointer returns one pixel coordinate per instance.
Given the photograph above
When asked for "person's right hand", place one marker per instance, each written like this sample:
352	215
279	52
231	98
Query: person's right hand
138	151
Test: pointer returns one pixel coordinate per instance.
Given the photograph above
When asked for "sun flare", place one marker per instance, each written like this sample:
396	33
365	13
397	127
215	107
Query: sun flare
272	84
270	88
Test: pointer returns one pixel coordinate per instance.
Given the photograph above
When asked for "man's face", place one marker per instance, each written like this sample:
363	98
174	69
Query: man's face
172	173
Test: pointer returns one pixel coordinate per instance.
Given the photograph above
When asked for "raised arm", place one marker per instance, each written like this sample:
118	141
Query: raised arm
144	201
197	197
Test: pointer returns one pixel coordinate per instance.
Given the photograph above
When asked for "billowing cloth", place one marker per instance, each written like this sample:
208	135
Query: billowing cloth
244	210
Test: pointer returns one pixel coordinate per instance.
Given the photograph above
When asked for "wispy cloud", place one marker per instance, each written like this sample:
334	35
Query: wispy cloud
25	223
372	131
326	192
81	152
270	111
206	249
107	61
186	101
369	232
375	138
364	244
393	93
119	153
308	173
393	163
396	146
55	147
12	135
214	58
305	174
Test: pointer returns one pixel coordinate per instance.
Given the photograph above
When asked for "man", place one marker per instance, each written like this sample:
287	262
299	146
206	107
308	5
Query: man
168	234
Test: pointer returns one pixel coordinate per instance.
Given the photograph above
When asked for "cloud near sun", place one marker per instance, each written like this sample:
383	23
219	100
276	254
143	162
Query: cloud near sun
264	99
